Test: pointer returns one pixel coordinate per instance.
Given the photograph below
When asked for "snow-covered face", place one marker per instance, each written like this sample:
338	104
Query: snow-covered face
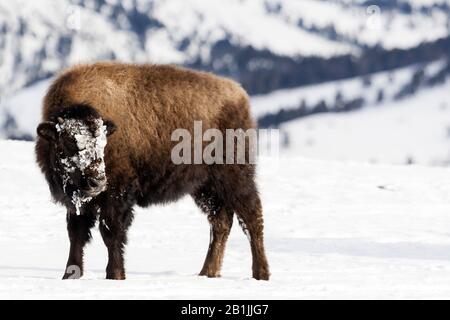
81	156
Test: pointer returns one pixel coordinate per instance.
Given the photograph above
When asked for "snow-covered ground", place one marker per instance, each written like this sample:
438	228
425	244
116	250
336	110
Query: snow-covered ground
333	230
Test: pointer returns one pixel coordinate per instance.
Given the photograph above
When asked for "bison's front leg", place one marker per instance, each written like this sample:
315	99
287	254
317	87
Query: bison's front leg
114	224
78	228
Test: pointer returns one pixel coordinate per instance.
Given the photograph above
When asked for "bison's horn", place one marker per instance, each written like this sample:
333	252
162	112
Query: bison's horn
60	120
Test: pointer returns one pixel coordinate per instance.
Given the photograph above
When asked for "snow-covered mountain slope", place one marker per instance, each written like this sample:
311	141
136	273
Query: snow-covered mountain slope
403	117
38	38
390	82
390	24
20	113
332	231
415	129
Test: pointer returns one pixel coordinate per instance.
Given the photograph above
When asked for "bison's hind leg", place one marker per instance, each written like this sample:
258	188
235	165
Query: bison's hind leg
241	195
221	221
249	214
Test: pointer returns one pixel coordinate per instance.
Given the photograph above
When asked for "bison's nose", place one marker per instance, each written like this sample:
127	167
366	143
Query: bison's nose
93	183
94	186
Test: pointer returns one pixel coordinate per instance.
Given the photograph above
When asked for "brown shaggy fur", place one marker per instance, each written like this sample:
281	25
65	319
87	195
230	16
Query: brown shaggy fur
147	103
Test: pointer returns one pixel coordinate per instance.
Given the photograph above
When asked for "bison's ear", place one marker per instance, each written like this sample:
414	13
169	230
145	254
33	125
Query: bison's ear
47	131
110	127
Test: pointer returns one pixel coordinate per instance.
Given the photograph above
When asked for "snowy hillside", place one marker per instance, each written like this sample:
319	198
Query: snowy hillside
38	38
20	113
390	82
332	231
390	24
415	130
400	117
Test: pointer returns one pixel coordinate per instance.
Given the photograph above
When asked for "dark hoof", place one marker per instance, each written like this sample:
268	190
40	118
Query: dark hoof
115	276
261	274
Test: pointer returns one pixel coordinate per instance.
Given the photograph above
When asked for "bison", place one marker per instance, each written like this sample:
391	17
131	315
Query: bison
104	146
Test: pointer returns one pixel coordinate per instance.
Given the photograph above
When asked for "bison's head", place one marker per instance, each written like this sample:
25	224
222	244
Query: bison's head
79	141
